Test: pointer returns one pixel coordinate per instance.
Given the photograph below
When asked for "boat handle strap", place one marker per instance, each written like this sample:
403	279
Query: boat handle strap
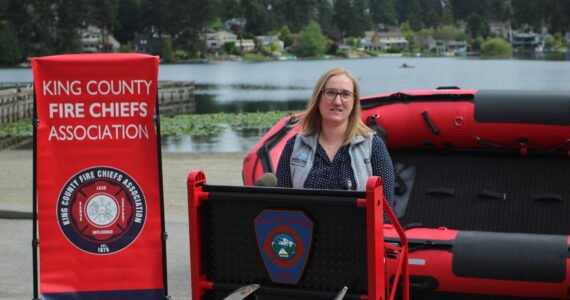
430	123
548	197
488	194
441	191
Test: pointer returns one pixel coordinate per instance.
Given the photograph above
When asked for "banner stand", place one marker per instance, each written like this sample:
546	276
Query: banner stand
161	191
131	191
35	242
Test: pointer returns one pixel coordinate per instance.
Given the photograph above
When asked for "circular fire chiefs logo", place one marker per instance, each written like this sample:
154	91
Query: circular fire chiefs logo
101	210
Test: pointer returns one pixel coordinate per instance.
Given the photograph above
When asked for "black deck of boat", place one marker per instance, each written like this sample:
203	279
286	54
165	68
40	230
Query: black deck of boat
537	190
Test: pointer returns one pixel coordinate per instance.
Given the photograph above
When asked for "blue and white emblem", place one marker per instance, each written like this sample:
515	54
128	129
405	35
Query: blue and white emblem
284	241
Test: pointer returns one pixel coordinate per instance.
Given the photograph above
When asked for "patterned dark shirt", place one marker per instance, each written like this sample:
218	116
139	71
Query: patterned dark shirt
338	174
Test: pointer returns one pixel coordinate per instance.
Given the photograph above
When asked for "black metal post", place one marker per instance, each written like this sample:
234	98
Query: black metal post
35	241
164	235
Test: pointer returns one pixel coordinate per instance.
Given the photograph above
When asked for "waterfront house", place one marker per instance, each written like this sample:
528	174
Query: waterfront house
215	40
268	40
501	29
382	41
247	45
526	40
95	39
448	48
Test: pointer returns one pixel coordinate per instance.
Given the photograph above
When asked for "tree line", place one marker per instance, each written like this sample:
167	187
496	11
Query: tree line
31	28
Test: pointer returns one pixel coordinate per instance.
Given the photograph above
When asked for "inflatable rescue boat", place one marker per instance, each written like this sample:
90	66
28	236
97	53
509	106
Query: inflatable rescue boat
482	187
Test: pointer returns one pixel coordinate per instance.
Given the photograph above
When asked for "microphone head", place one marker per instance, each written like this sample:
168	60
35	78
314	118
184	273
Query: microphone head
346	185
267	179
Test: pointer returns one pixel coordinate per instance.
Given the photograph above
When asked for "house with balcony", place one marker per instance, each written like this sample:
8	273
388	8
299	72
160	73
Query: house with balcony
527	40
448	48
382	41
246	45
268	40
95	39
501	29
215	40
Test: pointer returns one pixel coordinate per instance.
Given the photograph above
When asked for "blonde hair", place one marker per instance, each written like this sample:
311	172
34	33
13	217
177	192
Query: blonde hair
311	121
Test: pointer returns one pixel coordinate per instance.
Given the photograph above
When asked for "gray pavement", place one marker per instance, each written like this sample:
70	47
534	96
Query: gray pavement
16	258
16	223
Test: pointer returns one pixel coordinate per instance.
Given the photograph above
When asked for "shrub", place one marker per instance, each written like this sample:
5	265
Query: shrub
496	47
180	55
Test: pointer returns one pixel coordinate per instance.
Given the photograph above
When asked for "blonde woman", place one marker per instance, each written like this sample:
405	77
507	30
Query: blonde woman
335	149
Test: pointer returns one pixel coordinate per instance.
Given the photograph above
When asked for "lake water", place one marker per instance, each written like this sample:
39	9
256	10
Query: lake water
287	85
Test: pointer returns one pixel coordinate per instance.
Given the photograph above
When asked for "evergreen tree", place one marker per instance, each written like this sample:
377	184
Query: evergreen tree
342	16
414	14
258	18
155	15
129	21
294	13
477	26
324	14
10	52
432	13
188	30
360	18
447	12
70	17
383	12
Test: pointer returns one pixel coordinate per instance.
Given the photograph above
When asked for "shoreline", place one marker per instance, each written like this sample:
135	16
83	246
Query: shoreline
220	168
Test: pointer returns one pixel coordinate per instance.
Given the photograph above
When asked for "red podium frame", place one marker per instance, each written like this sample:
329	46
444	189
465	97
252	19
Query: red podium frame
375	204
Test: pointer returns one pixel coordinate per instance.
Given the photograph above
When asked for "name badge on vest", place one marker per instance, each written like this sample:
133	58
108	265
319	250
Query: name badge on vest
299	160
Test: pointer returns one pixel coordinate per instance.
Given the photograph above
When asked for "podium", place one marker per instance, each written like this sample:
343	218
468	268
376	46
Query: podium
293	243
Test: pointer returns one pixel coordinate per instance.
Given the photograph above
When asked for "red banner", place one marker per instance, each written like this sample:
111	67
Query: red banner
99	213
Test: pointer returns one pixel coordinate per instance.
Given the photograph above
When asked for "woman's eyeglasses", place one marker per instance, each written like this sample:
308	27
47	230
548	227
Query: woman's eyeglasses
331	94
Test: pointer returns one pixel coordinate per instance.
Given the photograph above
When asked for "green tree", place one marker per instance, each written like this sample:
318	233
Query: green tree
476	43
383	12
294	13
156	15
342	16
477	25
286	36
312	42
414	14
549	42
129	20
324	13
360	17
259	20
217	24
103	13
10	52
192	18
70	16
432	13
528	12
449	33
167	53
496	47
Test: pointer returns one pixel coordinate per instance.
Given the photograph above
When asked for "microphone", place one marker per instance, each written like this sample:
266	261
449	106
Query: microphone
267	179
346	185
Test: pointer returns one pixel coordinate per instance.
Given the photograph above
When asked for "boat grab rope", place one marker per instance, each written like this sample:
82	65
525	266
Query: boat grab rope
525	146
407	98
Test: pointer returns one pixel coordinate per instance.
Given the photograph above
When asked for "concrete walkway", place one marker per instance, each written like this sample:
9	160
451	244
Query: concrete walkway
16	207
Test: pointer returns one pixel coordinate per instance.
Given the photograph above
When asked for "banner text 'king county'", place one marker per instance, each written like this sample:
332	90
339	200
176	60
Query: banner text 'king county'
68	108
